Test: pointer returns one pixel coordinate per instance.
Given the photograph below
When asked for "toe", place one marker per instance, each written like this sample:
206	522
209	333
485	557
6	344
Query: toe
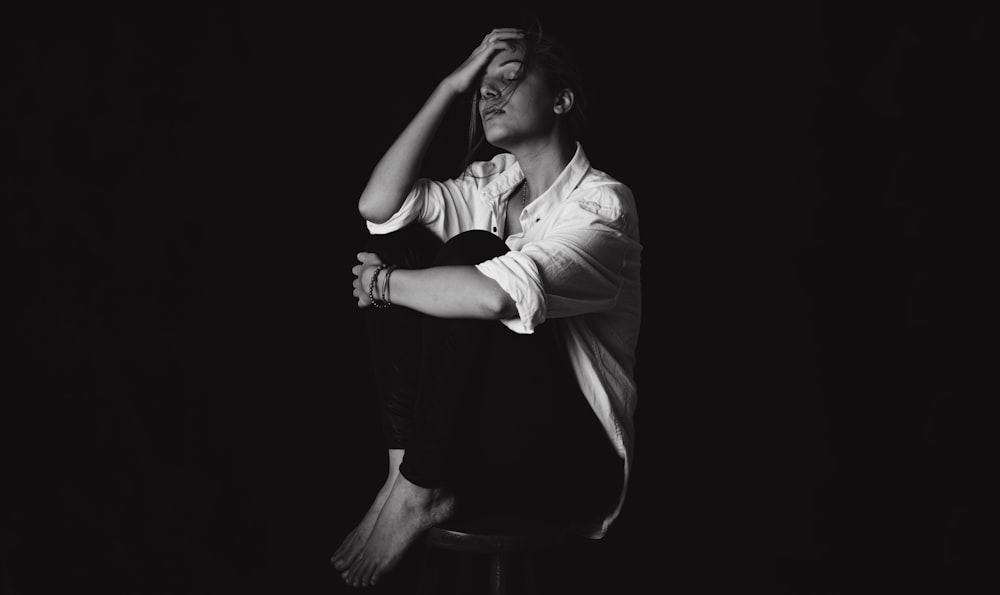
376	575
349	560
345	547
366	573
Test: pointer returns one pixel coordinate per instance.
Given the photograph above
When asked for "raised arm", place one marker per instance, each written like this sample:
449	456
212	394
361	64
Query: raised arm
399	168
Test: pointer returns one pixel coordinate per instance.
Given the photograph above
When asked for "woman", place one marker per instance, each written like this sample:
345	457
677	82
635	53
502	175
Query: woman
503	312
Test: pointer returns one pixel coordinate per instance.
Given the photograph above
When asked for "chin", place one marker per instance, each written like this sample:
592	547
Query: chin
496	139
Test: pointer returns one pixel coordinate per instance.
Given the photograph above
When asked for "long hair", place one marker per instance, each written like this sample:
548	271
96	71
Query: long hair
557	67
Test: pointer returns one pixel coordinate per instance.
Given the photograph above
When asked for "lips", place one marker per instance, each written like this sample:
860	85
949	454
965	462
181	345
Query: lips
489	113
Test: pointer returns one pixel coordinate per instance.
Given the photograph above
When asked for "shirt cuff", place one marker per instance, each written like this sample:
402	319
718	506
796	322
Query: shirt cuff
517	275
407	213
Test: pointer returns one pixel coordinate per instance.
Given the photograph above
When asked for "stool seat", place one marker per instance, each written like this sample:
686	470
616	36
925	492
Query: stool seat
507	541
489	535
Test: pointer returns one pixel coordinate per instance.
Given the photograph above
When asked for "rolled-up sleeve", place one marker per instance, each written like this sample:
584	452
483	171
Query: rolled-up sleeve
581	269
424	203
451	206
577	265
597	248
442	207
518	275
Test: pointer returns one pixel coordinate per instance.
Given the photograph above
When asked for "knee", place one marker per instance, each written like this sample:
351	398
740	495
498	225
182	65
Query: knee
470	247
412	247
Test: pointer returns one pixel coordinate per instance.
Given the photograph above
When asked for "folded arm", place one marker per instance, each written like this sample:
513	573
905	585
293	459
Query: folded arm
443	291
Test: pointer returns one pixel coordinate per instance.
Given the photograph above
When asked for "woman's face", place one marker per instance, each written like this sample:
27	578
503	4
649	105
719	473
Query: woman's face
515	104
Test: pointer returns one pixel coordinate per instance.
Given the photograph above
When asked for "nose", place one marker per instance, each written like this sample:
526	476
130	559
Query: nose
488	90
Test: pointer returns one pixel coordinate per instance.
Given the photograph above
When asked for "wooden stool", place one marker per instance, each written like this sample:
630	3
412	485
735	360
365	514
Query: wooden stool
507	541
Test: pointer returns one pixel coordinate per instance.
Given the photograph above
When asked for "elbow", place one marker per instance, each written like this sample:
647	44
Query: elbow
371	216
368	210
500	307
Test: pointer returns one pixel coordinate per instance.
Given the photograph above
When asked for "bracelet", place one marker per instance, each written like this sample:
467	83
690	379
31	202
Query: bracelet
371	288
385	285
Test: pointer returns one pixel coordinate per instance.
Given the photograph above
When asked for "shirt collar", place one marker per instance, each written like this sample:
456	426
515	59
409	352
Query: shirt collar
568	179
565	183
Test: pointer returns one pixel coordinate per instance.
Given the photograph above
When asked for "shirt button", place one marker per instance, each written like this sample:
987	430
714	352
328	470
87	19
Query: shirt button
494	228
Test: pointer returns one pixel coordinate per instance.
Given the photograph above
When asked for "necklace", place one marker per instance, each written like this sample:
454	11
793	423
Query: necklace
524	195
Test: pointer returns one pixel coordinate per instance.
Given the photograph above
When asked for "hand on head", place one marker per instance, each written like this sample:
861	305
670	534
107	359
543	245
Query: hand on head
462	79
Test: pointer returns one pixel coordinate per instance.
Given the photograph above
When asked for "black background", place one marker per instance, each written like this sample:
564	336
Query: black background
189	406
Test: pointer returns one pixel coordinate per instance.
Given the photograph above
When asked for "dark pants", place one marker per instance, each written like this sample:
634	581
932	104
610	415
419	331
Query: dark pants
494	415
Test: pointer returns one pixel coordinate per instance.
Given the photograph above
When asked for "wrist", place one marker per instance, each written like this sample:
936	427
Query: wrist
373	298
449	89
378	289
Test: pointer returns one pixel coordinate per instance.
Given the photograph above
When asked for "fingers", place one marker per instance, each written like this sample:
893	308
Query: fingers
502	34
366	260
362	297
462	79
369	258
494	39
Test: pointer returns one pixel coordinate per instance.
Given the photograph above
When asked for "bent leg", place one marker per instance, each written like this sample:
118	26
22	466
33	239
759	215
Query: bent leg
500	417
409	508
455	368
394	338
488	430
395	333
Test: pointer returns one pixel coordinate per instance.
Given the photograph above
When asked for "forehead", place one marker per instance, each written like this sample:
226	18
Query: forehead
504	57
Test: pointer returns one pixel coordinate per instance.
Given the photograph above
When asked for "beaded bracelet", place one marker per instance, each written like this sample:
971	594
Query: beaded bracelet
371	288
385	285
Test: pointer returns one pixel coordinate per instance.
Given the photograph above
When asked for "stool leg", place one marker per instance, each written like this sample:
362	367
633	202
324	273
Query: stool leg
499	570
529	576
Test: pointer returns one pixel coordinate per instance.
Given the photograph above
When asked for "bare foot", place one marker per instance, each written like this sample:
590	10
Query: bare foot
406	514
352	544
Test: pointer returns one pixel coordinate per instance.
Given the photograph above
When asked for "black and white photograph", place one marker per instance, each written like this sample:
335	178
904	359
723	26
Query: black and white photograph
450	300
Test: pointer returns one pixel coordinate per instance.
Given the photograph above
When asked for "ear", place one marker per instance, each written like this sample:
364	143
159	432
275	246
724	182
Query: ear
564	102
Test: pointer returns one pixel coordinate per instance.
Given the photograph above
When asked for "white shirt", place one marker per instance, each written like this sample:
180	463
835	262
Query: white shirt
576	262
